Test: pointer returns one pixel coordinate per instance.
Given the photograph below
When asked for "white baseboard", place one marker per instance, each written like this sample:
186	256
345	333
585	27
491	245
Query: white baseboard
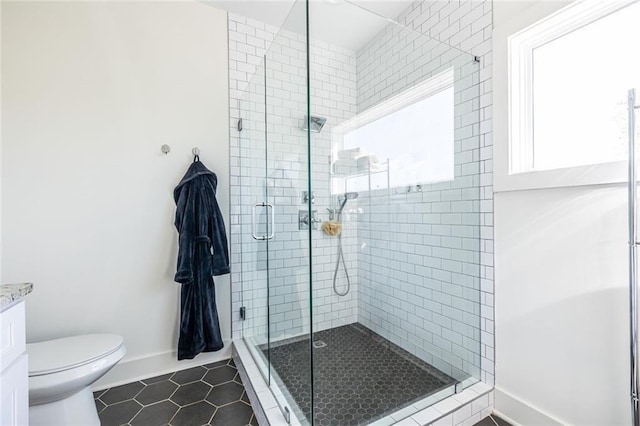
155	365
519	412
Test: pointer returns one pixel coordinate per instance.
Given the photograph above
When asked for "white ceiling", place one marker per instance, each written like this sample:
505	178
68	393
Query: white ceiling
341	23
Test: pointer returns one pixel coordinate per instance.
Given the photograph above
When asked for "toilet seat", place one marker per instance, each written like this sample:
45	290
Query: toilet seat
61	373
63	354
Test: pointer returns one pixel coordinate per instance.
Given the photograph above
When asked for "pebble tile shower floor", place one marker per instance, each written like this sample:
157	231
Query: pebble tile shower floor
359	376
209	395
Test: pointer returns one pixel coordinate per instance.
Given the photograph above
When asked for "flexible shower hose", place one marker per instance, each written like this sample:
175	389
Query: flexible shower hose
335	273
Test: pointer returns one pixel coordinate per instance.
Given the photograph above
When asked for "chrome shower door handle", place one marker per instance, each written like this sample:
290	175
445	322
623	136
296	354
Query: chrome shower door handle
254	222
273	221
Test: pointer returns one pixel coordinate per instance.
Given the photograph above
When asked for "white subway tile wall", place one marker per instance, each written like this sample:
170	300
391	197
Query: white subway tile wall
427	253
420	274
472	21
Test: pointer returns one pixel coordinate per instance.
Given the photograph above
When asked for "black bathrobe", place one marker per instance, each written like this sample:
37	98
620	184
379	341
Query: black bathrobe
202	253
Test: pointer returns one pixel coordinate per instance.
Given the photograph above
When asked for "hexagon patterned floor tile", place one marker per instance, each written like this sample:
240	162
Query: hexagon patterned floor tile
358	375
209	395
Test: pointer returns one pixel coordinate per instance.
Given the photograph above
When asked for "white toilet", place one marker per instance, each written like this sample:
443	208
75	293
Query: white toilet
61	373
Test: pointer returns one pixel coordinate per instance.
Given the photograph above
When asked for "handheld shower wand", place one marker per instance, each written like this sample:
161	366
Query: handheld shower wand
347	196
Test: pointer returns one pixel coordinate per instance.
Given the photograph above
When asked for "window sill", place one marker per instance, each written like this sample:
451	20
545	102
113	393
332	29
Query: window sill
597	174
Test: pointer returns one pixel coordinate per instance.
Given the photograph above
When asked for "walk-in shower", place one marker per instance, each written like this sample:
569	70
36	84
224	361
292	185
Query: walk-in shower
382	317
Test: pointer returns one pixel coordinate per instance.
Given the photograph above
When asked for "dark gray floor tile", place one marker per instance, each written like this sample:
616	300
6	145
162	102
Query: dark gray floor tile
190	393
121	393
99	405
225	393
194	415
189	375
500	421
485	422
98	393
157	379
492	420
236	414
217	364
155	415
254	420
156	392
245	398
237	378
231	362
220	375
120	413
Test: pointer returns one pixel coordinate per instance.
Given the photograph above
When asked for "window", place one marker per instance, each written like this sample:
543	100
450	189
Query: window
568	80
404	141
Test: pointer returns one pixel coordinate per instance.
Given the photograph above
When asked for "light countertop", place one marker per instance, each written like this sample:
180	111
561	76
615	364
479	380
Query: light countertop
10	293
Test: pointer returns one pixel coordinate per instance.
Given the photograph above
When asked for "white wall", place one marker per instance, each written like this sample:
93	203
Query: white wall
561	283
561	304
90	93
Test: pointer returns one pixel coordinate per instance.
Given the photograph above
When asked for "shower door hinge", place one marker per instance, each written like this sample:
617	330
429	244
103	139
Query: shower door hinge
243	313
240	124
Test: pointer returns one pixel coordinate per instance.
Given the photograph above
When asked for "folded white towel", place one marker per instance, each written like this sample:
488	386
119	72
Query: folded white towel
367	162
350	154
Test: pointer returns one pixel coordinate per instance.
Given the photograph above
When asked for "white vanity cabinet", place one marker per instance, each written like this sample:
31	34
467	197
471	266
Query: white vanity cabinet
14	372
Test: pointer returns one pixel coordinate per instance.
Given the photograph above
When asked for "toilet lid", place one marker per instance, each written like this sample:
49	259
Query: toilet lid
62	354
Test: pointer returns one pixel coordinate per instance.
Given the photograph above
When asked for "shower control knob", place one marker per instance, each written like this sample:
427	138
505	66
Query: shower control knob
305	220
305	197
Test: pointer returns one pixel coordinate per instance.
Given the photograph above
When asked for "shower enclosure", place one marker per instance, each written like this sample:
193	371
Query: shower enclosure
358	205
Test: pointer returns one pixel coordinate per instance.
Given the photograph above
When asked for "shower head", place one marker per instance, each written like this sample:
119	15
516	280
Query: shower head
347	196
316	123
351	195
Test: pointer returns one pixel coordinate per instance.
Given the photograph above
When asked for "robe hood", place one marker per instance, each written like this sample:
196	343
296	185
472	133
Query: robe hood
195	169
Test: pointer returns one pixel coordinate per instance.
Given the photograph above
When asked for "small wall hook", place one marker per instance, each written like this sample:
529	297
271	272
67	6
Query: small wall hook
196	154
165	149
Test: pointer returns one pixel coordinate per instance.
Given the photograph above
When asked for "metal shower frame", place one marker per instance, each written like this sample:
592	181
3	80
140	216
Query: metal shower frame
633	257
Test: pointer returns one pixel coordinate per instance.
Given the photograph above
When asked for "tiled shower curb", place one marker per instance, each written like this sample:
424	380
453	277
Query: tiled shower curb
264	404
248	385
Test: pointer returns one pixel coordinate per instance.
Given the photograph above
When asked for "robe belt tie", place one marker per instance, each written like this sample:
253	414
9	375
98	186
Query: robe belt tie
203	238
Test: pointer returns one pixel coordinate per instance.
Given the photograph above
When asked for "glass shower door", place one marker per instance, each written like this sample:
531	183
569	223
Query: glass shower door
254	221
276	278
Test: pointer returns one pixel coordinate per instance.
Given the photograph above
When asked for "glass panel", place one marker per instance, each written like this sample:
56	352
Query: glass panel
396	297
591	100
287	178
254	275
